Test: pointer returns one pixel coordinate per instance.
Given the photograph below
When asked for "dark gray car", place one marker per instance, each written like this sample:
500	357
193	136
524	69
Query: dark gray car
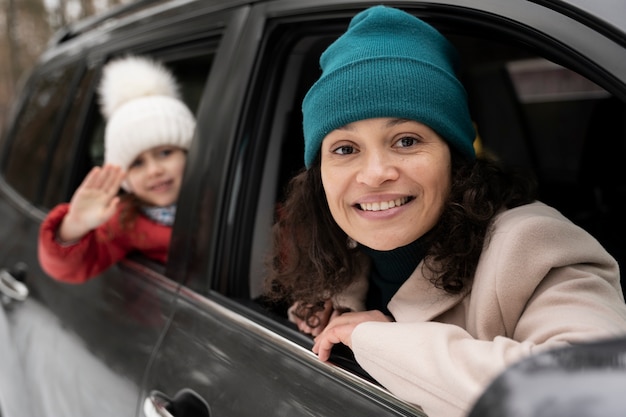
547	87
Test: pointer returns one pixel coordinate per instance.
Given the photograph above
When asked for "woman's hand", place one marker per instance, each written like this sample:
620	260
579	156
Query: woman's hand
340	328
93	203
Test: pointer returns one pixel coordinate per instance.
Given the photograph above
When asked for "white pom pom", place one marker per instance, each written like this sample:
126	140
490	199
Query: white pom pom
133	77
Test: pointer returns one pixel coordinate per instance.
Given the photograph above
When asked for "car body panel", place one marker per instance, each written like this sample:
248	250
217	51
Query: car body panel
241	367
581	380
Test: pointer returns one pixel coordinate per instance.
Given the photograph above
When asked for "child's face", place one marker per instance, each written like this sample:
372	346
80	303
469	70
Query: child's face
155	176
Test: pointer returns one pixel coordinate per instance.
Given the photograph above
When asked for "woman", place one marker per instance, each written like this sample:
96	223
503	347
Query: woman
148	132
438	269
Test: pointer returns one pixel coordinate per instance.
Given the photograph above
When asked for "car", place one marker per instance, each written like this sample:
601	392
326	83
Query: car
546	81
585	380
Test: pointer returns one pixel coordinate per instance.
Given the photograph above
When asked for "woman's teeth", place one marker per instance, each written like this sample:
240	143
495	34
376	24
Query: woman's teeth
383	205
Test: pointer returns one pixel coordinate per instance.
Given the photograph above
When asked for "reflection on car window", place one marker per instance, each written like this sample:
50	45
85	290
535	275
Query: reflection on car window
36	129
63	163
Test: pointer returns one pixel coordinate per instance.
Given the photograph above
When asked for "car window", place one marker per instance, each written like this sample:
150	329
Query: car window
190	70
548	119
60	140
577	133
538	115
37	128
58	172
531	111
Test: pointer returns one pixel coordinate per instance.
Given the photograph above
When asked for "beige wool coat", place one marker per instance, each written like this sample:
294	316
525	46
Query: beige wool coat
541	282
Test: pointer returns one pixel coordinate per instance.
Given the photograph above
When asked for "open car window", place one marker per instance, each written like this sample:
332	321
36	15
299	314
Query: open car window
532	110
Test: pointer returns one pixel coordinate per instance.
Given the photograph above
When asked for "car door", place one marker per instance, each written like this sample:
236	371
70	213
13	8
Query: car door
77	350
56	353
226	352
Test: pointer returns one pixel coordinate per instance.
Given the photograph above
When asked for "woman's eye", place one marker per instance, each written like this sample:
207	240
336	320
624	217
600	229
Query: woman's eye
344	150
407	142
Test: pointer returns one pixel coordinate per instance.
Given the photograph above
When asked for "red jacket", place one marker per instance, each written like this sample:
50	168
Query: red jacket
100	248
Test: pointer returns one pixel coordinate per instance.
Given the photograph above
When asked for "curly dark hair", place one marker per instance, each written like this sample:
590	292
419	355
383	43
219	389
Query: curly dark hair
311	259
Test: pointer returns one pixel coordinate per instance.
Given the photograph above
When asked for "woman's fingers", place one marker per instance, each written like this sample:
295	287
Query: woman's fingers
330	337
340	328
323	346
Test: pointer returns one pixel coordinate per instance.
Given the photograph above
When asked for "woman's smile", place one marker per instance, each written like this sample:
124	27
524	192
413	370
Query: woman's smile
384	205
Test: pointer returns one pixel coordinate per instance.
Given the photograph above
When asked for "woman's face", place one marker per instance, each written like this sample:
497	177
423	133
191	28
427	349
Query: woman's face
155	176
386	180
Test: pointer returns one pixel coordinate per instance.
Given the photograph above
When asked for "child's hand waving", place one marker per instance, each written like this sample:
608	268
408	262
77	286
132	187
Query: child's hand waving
93	203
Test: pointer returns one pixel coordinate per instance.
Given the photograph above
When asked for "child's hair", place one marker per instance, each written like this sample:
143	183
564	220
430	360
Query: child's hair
130	204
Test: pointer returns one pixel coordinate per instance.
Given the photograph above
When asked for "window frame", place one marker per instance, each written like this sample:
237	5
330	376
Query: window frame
231	268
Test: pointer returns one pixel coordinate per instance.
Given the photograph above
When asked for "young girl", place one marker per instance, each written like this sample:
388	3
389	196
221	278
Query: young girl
148	132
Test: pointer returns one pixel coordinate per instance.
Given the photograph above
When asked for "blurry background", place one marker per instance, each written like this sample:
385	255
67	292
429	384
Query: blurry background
27	26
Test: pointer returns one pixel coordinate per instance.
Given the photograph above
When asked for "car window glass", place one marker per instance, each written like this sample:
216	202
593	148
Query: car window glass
36	129
55	182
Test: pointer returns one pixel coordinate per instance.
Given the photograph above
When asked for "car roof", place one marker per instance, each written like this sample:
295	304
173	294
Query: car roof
605	13
607	17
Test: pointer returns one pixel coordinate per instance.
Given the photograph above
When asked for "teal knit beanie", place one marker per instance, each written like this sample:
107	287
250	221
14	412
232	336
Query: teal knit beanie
388	64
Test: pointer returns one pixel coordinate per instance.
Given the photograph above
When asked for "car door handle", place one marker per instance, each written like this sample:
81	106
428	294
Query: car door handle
186	403
11	286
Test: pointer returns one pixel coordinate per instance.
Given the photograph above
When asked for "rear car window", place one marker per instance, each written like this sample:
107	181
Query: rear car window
36	129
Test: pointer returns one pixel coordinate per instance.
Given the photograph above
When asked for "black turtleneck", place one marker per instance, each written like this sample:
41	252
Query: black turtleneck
390	269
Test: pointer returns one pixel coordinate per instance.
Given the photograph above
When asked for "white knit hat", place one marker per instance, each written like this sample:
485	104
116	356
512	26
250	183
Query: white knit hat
139	98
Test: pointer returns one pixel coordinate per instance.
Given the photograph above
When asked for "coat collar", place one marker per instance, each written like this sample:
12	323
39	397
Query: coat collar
418	300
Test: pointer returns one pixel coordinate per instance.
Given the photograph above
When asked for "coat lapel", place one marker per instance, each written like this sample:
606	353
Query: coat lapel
418	300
